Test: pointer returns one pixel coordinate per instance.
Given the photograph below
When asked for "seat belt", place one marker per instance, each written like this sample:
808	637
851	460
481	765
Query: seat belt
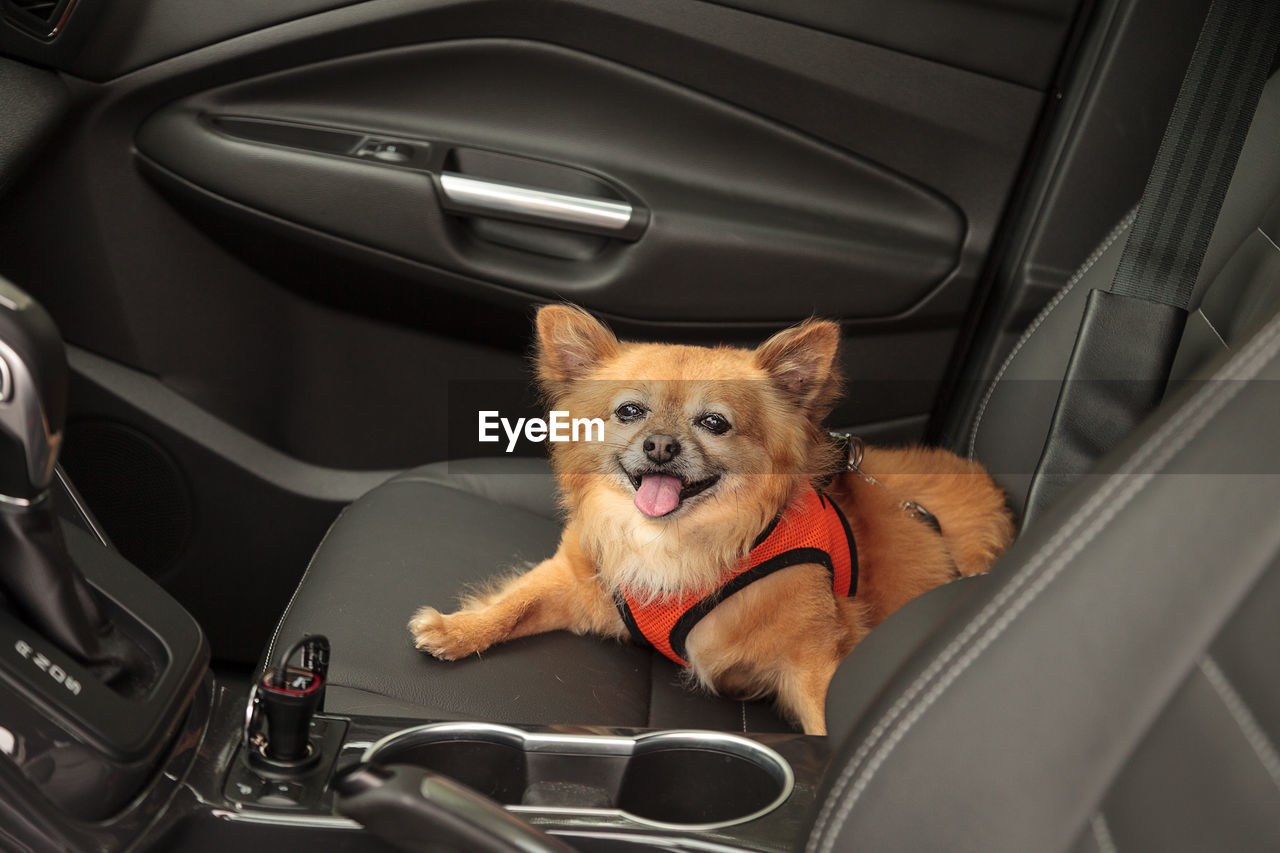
1128	336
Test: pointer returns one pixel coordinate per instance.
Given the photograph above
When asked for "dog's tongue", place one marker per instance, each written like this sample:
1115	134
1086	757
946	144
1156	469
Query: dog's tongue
658	494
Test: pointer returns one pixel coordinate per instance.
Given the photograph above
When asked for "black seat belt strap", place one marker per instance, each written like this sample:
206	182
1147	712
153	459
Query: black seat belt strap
1128	335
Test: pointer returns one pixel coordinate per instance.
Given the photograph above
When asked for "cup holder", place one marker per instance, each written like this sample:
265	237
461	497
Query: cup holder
495	769
684	778
678	779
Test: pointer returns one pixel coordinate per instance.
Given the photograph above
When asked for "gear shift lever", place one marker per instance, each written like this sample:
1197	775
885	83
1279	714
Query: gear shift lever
37	576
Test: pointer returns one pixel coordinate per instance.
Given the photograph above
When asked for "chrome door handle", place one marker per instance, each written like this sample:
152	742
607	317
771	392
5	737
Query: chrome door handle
501	200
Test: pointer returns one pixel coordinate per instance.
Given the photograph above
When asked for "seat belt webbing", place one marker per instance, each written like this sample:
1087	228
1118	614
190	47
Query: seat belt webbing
1128	336
1198	154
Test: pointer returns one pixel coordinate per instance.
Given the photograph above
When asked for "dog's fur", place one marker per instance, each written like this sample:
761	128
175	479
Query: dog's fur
785	634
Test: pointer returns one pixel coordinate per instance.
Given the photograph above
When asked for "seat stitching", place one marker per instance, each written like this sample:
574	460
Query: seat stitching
1102	834
1093	258
1099	510
284	617
1214	329
430	712
1267	237
744	716
1244	718
382	694
1208	322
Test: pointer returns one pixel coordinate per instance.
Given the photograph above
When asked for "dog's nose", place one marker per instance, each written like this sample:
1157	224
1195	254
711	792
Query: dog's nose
661	448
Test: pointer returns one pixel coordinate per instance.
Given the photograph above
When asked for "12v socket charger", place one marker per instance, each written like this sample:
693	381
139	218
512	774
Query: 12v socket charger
283	704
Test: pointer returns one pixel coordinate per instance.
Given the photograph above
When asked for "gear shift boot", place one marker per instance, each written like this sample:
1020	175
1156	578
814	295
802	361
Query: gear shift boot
74	727
47	591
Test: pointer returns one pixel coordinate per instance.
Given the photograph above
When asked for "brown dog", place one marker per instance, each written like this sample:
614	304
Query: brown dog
703	449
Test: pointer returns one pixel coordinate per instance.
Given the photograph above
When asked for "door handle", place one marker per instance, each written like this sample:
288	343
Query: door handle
501	200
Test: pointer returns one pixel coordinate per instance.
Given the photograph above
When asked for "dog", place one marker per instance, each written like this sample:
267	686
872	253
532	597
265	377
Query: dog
718	521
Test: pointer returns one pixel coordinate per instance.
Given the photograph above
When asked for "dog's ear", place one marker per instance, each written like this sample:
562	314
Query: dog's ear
571	343
801	361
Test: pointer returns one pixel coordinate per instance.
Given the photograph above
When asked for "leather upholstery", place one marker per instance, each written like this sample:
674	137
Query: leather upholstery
1116	376
1119	661
859	680
1013	418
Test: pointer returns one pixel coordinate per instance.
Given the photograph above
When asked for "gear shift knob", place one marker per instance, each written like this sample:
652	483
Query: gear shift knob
33	396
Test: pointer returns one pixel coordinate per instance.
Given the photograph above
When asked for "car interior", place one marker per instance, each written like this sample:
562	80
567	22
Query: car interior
261	264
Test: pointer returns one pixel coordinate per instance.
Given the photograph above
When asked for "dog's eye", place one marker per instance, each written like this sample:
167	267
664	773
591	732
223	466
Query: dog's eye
629	412
713	423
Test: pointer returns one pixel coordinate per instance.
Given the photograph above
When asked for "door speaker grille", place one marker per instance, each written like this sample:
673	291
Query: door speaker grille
134	488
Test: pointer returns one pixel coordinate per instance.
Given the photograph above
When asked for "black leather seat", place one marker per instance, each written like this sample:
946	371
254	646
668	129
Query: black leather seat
1110	685
423	538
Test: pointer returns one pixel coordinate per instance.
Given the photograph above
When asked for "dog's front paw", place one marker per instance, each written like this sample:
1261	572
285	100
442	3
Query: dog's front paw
445	637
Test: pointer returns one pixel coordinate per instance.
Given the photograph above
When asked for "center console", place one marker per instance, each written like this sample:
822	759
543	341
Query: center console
592	789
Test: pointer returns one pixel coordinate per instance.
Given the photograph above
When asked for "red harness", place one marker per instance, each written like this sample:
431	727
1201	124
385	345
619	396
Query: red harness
813	531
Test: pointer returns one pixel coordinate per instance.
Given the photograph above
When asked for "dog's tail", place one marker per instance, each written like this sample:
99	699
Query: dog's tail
978	527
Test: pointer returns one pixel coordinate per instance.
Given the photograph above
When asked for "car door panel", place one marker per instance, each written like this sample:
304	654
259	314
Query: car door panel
747	221
956	134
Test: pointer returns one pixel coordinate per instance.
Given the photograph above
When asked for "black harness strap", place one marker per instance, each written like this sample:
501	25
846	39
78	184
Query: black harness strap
629	619
695	614
848	538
